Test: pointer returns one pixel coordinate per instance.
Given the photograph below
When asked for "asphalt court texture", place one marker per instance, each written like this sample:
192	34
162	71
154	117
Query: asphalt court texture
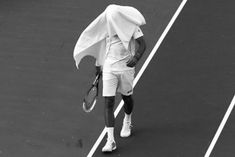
180	99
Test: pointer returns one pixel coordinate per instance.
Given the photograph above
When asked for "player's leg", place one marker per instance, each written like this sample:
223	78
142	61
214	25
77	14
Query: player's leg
128	108
128	104
108	111
109	123
109	91
126	89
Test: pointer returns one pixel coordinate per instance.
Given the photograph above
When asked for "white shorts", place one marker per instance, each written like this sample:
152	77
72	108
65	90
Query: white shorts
118	81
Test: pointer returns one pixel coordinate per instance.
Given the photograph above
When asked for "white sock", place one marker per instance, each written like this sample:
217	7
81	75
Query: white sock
110	132
127	117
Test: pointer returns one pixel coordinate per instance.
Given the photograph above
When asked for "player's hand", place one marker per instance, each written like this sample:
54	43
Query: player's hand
98	70
132	62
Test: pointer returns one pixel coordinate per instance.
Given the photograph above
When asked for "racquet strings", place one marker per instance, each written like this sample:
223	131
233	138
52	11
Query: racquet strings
90	98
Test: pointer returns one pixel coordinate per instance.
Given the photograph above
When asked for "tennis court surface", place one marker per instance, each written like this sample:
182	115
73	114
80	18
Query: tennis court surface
180	100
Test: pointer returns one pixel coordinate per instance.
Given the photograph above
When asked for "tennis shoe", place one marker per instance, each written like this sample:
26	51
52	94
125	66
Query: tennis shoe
126	129
109	146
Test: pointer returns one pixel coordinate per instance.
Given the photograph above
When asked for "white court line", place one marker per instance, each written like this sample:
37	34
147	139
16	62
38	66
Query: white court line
93	149
222	124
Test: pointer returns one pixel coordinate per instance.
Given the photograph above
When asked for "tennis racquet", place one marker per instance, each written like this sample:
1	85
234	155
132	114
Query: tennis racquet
89	100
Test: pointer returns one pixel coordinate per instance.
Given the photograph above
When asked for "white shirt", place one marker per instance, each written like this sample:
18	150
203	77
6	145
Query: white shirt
117	54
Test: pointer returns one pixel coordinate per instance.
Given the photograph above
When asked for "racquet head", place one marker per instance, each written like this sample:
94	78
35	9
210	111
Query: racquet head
89	100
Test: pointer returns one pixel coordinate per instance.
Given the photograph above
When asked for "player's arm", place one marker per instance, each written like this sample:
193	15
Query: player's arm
98	68
141	49
139	52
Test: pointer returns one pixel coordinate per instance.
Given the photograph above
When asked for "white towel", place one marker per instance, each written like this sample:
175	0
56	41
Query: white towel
115	20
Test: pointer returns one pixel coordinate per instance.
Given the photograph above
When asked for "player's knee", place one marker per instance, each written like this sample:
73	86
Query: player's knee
109	102
127	99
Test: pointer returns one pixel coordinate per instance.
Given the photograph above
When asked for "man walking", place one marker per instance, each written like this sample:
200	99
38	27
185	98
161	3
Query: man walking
116	41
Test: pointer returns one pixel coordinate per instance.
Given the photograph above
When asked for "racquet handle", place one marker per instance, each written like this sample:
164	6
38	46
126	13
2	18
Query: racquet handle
96	79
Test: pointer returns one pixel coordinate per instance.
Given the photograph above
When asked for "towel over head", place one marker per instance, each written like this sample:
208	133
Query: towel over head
114	20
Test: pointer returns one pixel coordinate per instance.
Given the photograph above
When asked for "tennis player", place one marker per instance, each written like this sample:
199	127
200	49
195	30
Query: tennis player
115	39
118	75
